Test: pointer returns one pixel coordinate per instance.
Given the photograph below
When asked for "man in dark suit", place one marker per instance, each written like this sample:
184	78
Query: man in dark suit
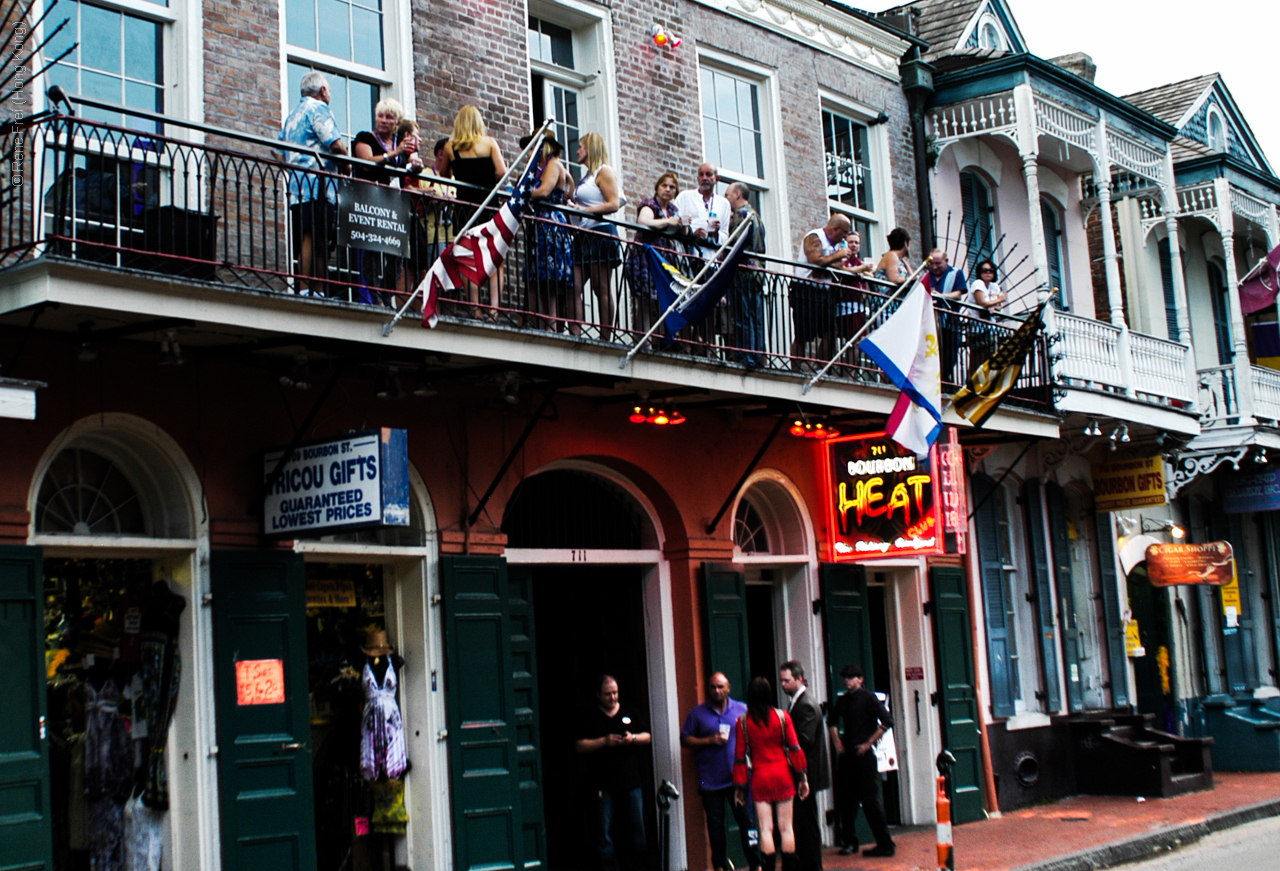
806	714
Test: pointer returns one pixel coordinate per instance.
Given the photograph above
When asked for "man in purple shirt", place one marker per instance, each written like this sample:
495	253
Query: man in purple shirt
708	730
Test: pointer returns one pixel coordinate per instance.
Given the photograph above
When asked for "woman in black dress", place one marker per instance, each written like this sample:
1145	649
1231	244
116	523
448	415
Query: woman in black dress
385	147
472	157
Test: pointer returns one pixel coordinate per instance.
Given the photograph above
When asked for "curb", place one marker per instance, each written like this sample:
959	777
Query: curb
1144	846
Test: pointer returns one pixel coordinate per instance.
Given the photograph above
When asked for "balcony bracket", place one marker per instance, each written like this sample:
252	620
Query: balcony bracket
746	473
1191	464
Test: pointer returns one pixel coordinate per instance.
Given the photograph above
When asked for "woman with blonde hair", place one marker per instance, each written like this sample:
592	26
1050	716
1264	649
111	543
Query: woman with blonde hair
472	156
596	252
385	146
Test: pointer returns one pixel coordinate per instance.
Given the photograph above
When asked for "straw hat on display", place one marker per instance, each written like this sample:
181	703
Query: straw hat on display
375	643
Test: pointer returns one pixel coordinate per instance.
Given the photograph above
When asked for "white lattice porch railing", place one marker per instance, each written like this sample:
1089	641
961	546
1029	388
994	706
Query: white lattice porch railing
1090	353
991	114
1249	207
1266	394
1160	368
1070	126
1193	198
1090	358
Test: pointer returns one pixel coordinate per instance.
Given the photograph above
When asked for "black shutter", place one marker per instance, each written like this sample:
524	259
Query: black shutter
994	598
1033	496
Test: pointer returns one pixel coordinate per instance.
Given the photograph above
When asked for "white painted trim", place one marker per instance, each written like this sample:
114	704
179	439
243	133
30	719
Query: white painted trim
776	212
18	402
566	556
1195	105
1029	720
772	559
344	552
111	546
884	218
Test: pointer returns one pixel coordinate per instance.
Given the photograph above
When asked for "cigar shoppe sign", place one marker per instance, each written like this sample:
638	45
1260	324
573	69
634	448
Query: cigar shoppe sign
881	499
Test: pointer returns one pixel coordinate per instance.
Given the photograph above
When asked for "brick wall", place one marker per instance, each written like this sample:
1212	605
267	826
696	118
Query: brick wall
242	66
1098	265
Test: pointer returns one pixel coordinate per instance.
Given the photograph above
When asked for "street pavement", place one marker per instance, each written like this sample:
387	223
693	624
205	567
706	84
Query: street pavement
1248	847
1085	832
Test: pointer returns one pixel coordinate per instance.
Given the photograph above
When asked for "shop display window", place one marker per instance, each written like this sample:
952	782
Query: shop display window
357	732
113	671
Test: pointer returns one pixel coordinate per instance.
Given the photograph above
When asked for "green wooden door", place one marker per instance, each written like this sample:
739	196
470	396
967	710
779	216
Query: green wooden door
724	609
263	712
524	679
957	690
847	622
482	717
26	837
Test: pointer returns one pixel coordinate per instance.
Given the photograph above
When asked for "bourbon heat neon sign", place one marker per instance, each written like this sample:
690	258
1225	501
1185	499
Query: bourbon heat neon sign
881	499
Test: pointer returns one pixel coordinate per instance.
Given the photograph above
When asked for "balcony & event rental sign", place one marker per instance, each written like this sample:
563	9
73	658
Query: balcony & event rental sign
353	482
881	499
1129	484
373	217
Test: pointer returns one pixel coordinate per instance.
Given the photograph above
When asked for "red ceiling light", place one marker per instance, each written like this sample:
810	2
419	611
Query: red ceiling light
677	418
802	427
797	428
655	416
638	415
660	419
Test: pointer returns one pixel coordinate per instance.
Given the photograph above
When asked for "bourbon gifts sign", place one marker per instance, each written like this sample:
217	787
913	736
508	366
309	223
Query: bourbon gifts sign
881	499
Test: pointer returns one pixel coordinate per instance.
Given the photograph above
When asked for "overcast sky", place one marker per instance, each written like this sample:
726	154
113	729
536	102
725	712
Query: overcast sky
1139	44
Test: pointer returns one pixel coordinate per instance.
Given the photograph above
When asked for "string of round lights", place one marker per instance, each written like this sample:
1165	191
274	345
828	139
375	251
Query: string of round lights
656	416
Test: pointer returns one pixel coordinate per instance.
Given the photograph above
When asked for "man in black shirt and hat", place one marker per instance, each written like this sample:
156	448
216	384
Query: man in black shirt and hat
865	719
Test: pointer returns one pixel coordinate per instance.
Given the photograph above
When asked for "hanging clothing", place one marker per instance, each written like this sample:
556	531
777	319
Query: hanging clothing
77	804
161	674
382	743
107	766
390	816
143	836
106	835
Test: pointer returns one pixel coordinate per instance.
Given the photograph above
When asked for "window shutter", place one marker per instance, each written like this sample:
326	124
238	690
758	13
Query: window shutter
1033	497
847	622
995	604
1117	656
975	202
1166	279
1053	250
1056	502
724	603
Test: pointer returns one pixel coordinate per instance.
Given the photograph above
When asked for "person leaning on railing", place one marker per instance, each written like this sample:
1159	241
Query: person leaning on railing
813	294
984	294
663	226
596	255
386	146
548	266
313	201
473	157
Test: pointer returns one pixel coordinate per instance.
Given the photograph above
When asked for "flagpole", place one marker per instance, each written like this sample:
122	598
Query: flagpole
711	261
533	145
906	285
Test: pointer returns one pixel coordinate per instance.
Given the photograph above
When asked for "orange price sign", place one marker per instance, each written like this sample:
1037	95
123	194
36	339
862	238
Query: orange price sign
260	682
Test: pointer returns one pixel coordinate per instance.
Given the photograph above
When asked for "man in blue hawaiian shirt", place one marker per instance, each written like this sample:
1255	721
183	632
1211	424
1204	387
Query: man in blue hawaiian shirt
312	198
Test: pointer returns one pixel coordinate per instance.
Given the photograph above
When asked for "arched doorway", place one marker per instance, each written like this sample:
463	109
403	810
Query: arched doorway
116	513
592	547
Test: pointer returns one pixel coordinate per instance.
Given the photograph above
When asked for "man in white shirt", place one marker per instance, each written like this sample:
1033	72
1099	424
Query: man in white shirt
710	211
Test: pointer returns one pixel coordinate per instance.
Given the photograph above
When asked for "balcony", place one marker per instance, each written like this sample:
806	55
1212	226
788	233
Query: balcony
1220	398
1118	373
202	231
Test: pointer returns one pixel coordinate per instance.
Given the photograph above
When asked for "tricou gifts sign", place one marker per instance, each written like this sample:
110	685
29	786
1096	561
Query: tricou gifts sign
881	499
352	482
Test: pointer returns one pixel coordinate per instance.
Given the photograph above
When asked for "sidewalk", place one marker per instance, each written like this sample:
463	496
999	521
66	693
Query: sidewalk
1083	832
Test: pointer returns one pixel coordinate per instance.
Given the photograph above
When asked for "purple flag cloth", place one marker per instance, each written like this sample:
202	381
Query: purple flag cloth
1258	289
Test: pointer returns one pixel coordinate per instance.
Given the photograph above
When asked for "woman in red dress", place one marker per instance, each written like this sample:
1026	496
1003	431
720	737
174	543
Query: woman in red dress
768	760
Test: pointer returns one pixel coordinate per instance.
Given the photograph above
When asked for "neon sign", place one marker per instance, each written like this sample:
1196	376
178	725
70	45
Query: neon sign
881	499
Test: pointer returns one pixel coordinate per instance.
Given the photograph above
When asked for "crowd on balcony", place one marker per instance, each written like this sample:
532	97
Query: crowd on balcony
573	239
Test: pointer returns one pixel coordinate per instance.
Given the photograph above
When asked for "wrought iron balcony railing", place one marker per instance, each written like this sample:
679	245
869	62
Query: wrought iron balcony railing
216	213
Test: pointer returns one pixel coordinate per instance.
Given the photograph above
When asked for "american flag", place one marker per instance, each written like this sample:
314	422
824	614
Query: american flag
477	253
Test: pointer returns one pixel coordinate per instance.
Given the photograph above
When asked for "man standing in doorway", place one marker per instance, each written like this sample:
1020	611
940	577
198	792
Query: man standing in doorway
865	719
709	731
806	714
612	737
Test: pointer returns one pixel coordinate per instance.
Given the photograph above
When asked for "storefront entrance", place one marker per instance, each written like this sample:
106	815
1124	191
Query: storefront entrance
295	645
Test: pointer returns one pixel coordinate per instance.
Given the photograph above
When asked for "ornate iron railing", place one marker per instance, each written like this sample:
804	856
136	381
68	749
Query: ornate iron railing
218	213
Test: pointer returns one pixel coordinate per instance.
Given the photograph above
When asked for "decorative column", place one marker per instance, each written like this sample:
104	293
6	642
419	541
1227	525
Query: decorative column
1171	208
1273	229
1111	261
1239	343
1024	102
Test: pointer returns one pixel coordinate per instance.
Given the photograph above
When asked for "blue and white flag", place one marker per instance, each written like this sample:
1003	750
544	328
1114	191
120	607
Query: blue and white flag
699	300
906	348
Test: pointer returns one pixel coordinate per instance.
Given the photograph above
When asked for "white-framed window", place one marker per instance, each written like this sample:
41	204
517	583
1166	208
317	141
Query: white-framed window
856	166
739	133
569	64
1216	128
120	58
354	43
989	34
